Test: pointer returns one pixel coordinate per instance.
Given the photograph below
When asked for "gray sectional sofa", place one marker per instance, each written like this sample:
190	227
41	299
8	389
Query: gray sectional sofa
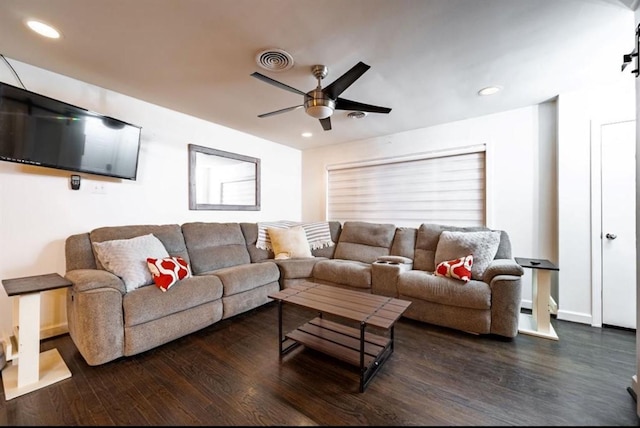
230	275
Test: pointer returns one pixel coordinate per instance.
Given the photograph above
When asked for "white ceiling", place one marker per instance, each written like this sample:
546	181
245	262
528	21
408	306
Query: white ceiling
428	58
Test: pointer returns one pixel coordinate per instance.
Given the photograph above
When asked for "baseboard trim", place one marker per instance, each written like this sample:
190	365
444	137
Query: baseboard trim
53	331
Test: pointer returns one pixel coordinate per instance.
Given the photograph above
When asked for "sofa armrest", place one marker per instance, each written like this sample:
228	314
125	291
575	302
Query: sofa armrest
95	315
502	267
384	274
90	279
506	299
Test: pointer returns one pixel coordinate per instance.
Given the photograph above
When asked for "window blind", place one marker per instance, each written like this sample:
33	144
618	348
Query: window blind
446	189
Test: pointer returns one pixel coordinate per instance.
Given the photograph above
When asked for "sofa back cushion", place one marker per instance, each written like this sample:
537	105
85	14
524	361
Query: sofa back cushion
336	229
214	246
364	242
78	252
482	246
404	242
427	242
250	232
169	234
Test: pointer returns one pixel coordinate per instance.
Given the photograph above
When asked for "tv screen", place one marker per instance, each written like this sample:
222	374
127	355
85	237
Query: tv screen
38	130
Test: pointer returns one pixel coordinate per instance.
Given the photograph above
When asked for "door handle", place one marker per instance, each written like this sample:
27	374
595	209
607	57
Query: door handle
611	236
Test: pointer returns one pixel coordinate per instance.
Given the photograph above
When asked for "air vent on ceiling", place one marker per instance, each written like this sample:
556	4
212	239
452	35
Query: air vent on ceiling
357	114
274	59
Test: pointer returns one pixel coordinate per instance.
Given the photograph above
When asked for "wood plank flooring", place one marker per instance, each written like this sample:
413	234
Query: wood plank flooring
231	374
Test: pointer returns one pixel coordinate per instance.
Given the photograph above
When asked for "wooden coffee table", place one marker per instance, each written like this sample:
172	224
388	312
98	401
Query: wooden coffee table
355	346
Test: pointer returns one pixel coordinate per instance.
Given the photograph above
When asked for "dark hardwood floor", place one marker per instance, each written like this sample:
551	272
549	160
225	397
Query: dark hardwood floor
231	374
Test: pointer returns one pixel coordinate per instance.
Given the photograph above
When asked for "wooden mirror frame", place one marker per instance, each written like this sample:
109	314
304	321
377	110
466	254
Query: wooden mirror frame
194	150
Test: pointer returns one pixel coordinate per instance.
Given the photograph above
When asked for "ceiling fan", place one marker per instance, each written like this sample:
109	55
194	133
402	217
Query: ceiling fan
321	102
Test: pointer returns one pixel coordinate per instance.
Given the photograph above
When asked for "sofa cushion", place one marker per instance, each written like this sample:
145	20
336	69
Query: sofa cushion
481	244
447	291
297	268
318	234
250	232
237	279
289	243
127	258
346	272
364	242
335	227
459	268
169	234
148	304
427	241
214	246
168	271
404	242
78	252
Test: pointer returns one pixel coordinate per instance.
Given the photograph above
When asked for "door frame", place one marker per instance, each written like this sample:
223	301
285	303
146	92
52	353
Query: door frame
596	213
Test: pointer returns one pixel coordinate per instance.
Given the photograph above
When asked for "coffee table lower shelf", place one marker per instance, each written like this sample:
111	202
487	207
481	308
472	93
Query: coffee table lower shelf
353	346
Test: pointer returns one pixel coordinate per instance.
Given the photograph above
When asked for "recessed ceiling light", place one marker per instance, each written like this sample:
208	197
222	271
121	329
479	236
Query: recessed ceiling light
43	29
489	90
307	134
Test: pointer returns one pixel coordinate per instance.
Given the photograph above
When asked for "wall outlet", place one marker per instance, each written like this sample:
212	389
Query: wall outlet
98	188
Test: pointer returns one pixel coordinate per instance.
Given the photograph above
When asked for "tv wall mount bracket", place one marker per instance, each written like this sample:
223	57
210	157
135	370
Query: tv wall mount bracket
628	58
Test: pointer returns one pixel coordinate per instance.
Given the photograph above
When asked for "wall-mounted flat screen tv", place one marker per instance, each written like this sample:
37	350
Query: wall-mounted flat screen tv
38	130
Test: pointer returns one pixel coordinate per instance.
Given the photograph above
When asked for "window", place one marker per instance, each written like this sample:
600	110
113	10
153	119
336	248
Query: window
446	187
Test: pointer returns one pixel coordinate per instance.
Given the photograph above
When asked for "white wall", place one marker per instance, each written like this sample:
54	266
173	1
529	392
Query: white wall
38	210
576	113
521	192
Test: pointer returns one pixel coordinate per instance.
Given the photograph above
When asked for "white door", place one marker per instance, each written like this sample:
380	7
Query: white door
618	224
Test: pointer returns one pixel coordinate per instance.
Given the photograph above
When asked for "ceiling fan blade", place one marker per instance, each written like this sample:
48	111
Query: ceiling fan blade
280	85
284	110
326	123
342	104
339	85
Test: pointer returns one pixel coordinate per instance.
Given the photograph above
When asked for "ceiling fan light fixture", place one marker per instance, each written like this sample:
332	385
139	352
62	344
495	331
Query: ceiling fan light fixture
318	105
319	112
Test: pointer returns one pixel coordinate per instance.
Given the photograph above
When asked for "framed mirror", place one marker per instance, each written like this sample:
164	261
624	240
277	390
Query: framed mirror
220	180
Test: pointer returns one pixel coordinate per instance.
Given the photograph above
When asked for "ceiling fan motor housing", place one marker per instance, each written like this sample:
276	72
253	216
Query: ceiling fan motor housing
318	105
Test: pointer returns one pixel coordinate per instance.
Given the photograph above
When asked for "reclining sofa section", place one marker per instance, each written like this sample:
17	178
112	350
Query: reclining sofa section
230	275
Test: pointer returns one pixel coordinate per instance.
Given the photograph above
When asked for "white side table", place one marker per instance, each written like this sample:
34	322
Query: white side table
539	322
32	369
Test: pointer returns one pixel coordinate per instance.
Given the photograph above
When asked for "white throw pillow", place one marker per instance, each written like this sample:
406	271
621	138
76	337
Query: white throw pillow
483	245
289	243
127	258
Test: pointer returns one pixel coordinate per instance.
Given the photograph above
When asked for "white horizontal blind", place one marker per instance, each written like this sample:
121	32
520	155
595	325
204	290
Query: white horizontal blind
239	192
447	189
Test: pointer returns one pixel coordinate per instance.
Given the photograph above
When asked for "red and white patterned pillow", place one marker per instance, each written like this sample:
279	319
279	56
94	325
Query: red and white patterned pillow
458	268
168	271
